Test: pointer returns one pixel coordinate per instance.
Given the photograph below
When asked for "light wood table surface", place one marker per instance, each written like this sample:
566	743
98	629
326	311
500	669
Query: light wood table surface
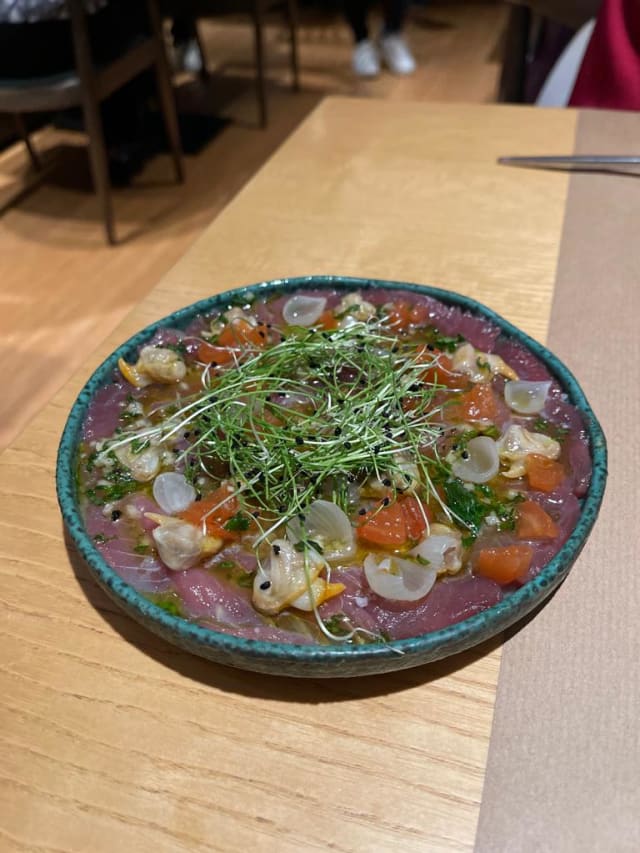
114	741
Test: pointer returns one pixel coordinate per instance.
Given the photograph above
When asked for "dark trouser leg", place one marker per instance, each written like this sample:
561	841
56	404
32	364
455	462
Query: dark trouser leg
395	13
356	14
183	29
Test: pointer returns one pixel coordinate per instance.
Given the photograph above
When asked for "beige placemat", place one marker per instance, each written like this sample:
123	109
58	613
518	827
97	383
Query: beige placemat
563	772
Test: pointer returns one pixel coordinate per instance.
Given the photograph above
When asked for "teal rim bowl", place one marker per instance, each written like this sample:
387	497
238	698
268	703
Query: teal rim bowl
336	660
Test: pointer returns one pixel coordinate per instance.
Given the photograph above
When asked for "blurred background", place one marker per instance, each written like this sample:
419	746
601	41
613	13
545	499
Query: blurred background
241	86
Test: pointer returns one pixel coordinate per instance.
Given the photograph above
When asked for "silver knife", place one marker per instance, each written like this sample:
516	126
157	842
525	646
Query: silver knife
627	164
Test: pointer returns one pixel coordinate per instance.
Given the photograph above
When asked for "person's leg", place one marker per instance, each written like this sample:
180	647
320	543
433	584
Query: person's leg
395	14
365	60
186	47
356	14
394	49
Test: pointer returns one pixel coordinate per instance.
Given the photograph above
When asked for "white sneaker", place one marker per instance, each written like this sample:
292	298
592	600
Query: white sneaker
187	57
396	54
365	60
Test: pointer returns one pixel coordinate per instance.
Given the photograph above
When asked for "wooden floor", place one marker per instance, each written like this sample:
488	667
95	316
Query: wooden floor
62	290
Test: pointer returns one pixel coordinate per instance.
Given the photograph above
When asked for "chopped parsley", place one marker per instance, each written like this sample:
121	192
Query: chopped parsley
239	522
139	444
109	493
169	602
445	343
554	431
471	504
338	625
179	347
245	579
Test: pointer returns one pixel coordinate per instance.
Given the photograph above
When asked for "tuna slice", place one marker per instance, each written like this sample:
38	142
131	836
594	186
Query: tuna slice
204	593
103	415
450	601
115	542
525	364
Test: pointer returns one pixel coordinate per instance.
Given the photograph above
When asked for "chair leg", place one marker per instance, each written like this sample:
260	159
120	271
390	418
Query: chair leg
165	92
292	15
99	164
261	90
170	118
204	71
24	135
514	64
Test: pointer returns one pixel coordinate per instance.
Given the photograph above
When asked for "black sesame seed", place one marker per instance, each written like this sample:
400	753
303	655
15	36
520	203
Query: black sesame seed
430	347
347	445
276	550
115	515
362	511
186	434
198	496
386	501
465	454
265	584
299	440
386	482
337	431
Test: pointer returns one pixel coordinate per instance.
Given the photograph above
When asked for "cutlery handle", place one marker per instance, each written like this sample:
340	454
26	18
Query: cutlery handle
576	162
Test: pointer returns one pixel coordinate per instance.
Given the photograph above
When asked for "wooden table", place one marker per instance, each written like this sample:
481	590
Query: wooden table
113	740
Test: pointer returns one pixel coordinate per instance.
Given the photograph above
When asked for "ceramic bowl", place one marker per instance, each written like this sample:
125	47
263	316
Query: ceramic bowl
327	661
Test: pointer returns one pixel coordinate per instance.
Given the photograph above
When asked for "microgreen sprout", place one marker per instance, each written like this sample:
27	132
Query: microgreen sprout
307	416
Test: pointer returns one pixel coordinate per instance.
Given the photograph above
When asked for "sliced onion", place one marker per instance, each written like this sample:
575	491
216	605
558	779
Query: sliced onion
526	398
482	462
303	310
172	492
442	552
326	524
397	579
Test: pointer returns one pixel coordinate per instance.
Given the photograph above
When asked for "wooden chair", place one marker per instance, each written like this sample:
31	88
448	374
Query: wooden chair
257	10
86	86
524	23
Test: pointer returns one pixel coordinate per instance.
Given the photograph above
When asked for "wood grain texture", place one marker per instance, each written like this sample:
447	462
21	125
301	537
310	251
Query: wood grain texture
53	261
113	740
